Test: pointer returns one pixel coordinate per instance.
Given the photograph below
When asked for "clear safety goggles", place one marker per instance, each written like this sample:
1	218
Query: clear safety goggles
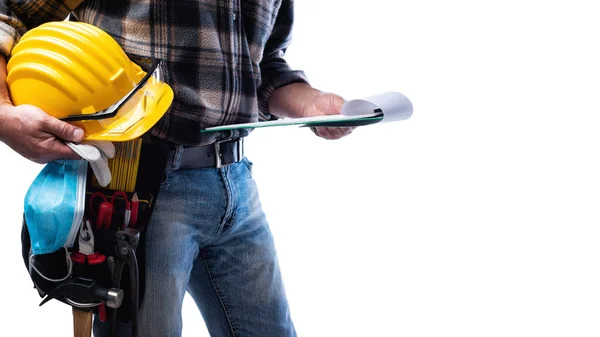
141	101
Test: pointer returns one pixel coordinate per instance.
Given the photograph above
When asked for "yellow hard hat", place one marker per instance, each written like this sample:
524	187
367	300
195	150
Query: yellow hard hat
76	72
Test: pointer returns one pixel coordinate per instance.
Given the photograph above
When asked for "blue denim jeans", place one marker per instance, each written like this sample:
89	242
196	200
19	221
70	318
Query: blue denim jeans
209	236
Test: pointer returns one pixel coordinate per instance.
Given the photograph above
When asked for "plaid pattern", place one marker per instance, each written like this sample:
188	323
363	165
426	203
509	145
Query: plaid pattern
223	58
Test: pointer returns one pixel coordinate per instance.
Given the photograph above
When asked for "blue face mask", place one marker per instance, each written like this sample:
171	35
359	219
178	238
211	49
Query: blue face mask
54	205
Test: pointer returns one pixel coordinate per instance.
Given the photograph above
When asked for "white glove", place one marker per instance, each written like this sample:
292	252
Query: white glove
97	154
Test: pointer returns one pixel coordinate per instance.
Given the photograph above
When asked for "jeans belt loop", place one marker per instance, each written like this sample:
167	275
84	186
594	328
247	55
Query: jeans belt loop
177	157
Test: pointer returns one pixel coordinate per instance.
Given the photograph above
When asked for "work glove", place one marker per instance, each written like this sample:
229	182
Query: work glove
97	154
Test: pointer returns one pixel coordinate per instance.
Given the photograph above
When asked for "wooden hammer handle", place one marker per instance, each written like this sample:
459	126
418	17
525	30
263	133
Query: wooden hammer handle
82	323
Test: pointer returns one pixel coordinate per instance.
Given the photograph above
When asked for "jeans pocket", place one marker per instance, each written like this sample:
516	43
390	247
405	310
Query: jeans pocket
166	178
248	164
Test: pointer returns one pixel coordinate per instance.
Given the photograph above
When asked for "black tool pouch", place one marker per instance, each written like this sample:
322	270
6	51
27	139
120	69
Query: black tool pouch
48	271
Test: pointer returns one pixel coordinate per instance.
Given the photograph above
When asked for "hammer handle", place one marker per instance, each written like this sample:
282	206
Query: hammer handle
82	323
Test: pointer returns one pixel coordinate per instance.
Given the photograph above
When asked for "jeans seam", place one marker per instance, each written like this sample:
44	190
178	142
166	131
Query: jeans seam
229	209
220	295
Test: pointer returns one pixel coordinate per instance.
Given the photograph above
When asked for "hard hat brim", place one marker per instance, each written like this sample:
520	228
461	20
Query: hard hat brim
95	130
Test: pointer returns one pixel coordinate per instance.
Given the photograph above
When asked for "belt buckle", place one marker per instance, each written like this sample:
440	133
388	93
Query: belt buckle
217	146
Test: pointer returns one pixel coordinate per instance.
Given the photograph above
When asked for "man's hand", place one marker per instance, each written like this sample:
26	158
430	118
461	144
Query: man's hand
298	100
36	135
327	104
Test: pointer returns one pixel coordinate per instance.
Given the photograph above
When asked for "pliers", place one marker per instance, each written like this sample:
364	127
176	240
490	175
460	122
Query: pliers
86	251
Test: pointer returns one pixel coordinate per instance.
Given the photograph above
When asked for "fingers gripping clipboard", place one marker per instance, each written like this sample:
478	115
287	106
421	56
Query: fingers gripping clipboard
382	108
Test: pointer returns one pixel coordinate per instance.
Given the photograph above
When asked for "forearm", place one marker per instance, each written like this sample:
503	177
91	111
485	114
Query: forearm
4	96
291	101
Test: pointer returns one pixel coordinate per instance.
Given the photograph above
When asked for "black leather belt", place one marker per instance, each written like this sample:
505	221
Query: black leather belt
218	154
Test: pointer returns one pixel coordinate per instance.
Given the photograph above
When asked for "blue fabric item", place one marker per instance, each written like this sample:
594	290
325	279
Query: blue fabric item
53	204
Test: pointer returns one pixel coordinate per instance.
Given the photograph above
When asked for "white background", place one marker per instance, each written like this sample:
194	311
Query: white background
477	217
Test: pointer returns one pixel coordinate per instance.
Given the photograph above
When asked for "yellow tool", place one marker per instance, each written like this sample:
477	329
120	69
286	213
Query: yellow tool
123	166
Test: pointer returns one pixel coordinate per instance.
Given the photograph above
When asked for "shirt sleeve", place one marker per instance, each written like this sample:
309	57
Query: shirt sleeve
275	71
11	29
22	15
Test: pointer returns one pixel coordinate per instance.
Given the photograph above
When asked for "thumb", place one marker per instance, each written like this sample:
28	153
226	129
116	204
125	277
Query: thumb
334	104
64	130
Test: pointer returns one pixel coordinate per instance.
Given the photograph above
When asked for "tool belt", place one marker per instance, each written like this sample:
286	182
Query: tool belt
104	271
108	278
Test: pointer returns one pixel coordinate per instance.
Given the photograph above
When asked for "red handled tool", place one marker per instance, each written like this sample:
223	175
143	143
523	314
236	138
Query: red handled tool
105	211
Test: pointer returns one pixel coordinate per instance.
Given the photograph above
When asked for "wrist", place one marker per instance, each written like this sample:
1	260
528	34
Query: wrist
4	118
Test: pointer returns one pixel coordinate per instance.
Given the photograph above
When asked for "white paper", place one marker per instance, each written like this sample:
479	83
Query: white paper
393	105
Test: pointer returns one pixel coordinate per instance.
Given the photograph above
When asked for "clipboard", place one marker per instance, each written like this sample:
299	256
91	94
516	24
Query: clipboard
386	107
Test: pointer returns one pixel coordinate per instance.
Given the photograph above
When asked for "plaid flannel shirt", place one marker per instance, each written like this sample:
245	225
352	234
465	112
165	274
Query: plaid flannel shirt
223	58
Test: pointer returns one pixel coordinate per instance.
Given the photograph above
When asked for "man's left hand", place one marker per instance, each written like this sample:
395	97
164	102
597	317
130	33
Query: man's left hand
299	100
327	104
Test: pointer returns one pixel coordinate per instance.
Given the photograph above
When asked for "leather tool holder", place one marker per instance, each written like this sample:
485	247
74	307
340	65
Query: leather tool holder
87	280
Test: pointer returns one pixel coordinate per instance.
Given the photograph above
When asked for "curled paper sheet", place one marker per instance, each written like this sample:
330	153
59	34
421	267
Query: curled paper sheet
393	105
386	107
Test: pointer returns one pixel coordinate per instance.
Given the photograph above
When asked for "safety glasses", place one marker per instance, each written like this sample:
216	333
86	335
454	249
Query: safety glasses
134	114
149	81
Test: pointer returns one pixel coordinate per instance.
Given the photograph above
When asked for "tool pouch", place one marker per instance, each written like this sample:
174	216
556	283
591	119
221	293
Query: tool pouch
48	271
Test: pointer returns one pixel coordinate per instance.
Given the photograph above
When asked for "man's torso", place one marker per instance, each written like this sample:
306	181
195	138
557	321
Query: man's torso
211	50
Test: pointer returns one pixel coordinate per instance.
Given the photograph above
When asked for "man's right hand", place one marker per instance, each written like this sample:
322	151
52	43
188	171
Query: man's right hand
36	135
